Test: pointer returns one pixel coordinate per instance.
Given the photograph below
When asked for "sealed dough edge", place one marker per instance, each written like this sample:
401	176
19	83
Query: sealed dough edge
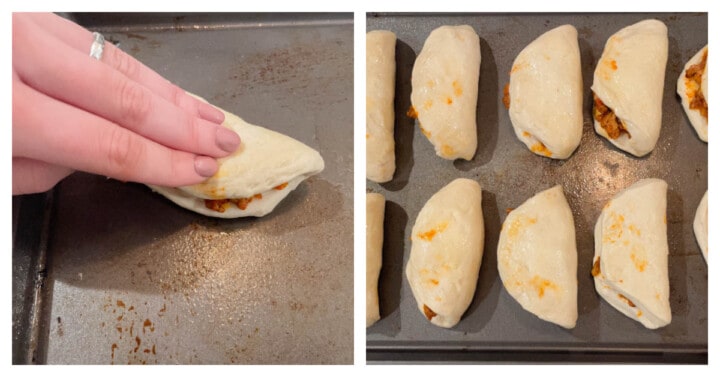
375	216
629	80
444	95
630	266
446	254
380	105
537	257
263	171
545	94
687	87
700	225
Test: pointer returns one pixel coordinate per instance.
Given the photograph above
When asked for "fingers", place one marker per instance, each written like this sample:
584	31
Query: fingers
80	40
32	176
84	141
133	69
99	89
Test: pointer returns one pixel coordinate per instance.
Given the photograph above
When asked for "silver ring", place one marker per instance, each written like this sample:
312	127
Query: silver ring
96	50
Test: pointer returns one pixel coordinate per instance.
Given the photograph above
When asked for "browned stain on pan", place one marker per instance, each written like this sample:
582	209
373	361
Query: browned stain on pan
214	279
60	329
126	344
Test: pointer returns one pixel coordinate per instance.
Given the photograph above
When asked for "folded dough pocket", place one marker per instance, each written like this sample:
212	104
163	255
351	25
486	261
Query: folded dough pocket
630	266
608	121
444	95
628	87
447	249
375	216
254	179
700	225
544	96
537	257
380	105
692	89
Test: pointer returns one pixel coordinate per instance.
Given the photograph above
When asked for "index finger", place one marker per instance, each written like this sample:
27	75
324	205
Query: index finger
84	141
81	39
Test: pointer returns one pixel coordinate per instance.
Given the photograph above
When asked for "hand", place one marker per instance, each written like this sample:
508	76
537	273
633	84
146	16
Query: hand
112	116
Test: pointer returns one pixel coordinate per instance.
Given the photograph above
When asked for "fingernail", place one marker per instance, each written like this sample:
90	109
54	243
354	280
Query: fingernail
205	166
226	139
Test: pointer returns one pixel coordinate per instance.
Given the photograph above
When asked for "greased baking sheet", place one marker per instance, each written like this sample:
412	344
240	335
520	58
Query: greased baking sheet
132	278
495	327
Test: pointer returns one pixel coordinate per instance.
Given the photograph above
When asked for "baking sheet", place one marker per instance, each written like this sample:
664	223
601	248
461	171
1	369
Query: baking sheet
131	278
495	327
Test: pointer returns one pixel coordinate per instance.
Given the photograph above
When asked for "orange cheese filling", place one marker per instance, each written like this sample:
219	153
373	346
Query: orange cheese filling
430	234
540	148
447	150
639	263
428	104
608	120
541	285
457	88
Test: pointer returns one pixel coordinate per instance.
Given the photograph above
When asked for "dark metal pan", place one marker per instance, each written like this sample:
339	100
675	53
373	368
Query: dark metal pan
495	327
111	272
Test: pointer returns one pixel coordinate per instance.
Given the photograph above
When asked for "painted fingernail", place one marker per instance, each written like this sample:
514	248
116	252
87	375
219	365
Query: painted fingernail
205	166
226	139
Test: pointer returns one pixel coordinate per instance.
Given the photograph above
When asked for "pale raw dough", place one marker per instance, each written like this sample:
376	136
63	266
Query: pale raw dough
379	105
686	87
445	90
537	257
629	79
264	161
632	247
700	225
447	249
546	94
375	216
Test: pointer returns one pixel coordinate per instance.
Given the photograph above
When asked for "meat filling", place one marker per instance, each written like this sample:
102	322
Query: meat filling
220	205
627	301
412	113
596	268
608	120
506	96
694	74
428	312
596	271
